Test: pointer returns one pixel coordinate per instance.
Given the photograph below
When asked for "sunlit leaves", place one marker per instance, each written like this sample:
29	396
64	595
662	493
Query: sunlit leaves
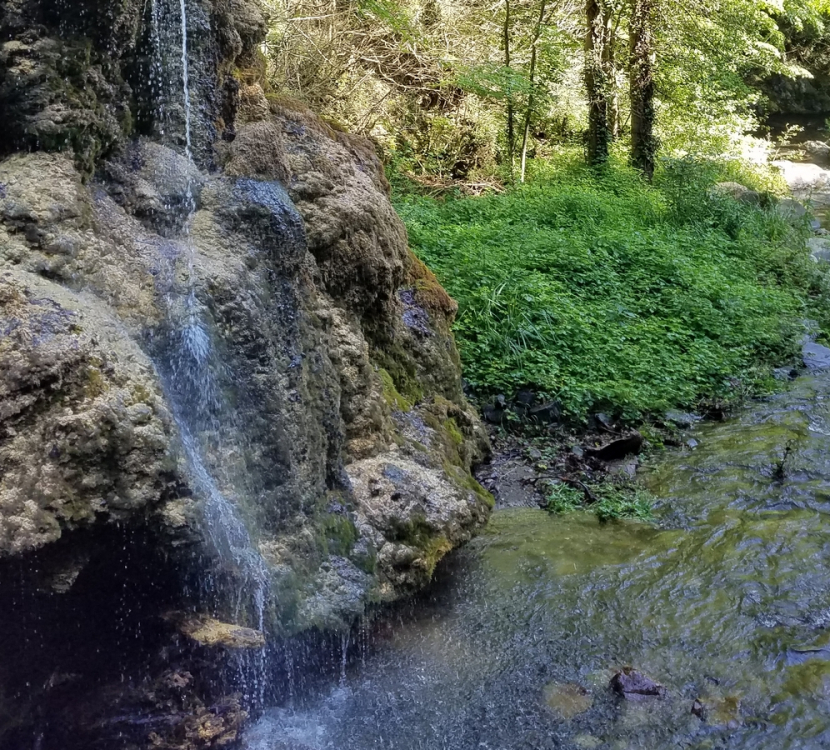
602	291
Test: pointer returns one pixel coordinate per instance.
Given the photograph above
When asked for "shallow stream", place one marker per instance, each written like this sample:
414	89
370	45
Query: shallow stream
725	601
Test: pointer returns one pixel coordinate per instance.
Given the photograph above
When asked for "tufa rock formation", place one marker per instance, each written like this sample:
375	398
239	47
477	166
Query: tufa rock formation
333	420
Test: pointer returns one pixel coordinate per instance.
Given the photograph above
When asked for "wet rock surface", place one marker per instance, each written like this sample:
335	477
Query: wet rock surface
208	631
635	686
816	356
341	433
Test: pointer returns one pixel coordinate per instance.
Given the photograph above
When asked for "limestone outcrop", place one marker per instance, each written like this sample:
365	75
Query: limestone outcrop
334	419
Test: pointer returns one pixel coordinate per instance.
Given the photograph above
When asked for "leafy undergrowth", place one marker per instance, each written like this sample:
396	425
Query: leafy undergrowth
608	500
606	293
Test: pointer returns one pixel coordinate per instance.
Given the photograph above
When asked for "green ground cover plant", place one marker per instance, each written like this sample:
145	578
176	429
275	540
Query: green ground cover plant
605	292
611	500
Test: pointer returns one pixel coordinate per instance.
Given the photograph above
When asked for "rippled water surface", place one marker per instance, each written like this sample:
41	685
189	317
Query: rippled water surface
726	600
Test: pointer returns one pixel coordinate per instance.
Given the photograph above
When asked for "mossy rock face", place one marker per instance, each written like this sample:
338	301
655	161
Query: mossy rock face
351	445
57	97
336	343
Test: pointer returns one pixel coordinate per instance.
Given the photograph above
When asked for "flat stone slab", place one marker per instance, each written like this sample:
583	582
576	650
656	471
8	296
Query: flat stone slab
816	356
207	631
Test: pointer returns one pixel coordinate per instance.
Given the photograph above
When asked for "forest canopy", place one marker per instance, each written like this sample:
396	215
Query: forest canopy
469	89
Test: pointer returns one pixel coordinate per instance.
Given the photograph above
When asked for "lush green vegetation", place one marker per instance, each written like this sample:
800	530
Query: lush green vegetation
606	292
610	500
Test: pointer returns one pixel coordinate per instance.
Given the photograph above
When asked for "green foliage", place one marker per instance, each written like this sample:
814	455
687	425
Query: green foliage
563	498
494	81
622	501
607	293
613	500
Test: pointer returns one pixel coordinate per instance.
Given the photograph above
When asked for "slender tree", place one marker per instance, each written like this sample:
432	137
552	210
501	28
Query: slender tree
596	80
643	140
537	32
511	117
614	123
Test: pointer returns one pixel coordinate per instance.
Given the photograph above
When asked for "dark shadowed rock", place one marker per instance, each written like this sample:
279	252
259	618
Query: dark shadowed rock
681	419
629	445
494	414
635	686
785	373
526	397
548	412
604	422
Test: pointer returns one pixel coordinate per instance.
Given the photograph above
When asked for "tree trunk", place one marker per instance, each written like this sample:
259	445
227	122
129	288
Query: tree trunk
511	128
643	140
611	71
596	81
537	32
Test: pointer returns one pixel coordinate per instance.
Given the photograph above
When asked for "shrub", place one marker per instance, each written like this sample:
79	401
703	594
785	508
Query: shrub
607	293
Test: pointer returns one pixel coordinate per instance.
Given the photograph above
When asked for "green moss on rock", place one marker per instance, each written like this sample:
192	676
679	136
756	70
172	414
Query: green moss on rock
391	394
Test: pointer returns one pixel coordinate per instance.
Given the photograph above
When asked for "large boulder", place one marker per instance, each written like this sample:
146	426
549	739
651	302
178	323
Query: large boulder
240	340
334	346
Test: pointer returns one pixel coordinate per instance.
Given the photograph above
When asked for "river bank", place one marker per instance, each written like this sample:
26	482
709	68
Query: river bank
723	601
718	602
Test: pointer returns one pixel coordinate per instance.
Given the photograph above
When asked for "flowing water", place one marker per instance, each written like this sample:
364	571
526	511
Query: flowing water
196	382
725	600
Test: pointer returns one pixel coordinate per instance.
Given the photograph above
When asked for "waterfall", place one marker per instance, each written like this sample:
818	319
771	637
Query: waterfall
186	81
193	374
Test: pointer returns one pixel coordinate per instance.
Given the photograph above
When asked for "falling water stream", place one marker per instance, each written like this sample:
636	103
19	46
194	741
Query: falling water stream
196	381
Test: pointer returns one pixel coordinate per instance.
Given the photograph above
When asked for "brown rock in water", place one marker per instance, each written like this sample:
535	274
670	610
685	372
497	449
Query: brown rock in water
723	711
635	686
206	631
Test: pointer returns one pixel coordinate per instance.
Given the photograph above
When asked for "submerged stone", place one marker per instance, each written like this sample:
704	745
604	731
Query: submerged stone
681	419
567	699
724	711
635	686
